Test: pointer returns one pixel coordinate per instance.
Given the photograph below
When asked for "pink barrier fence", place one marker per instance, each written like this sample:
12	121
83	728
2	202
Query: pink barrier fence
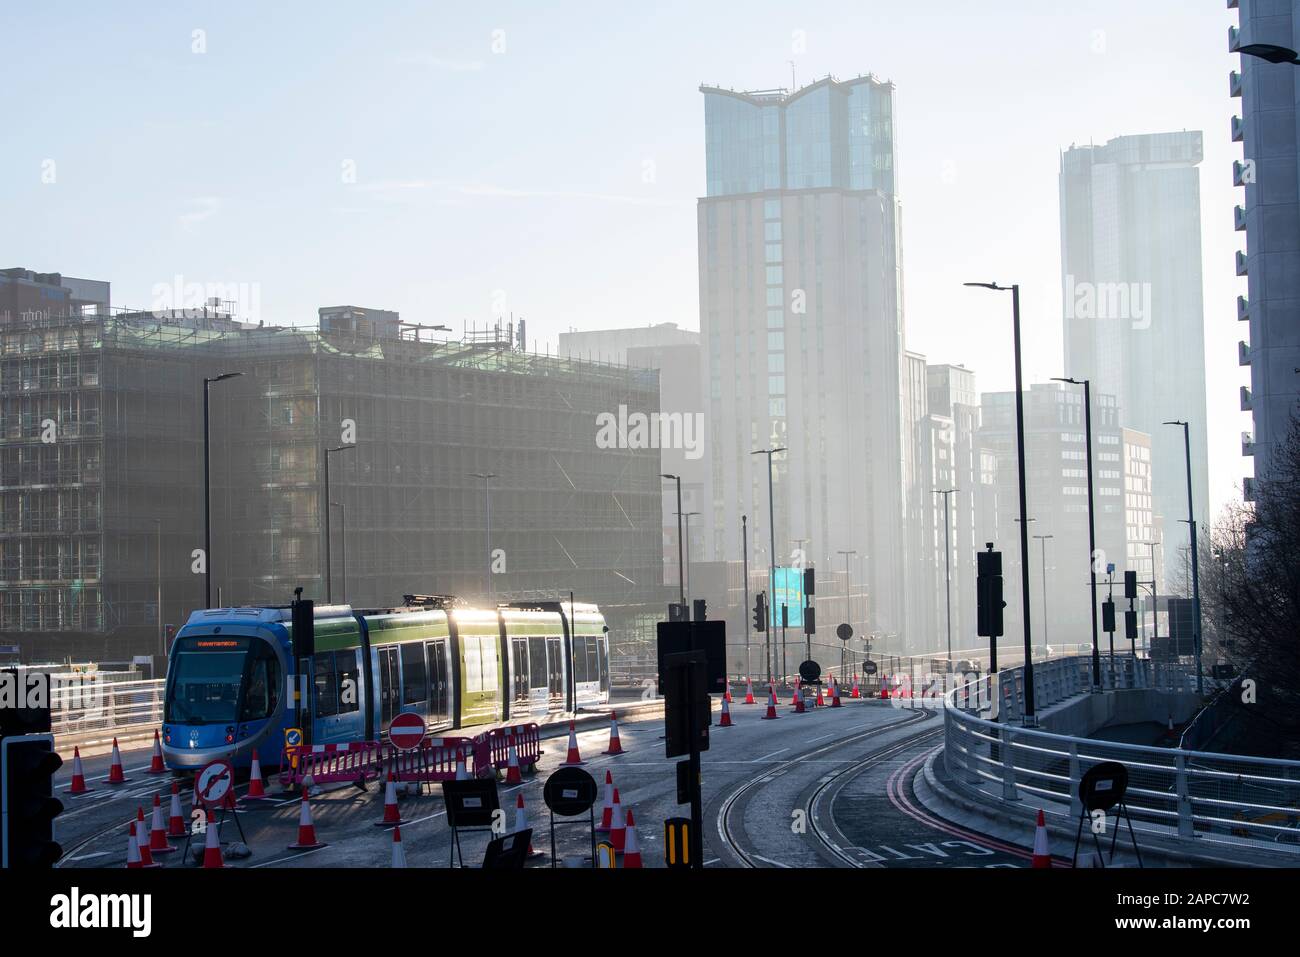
335	763
494	746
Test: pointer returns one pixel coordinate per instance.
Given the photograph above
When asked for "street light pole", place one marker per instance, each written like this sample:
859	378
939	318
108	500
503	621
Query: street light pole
1031	719
329	542
681	562
947	564
207	488
1196	576
1043	540
487	478
771	556
343	541
848	600
1092	528
687	516
744	555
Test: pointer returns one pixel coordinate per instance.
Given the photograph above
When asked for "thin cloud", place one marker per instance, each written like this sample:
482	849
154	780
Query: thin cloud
204	207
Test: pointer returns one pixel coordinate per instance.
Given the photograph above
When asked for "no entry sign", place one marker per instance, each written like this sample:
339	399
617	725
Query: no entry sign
407	731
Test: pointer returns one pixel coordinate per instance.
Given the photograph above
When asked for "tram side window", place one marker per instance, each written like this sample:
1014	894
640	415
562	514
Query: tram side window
593	659
347	681
262	691
473	665
489	649
580	659
537	662
327	694
415	686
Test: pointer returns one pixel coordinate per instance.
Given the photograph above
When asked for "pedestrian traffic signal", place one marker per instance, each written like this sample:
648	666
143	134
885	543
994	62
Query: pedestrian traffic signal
27	766
760	611
1108	616
810	620
988	593
1130	584
1131	625
809	581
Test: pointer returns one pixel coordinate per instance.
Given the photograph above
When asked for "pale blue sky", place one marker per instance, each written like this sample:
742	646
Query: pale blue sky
522	174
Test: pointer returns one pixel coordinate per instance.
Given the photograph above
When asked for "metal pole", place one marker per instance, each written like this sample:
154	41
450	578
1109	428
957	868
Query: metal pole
487	494
681	561
162	637
1030	719
744	554
1092	537
947	566
343	517
329	575
1196	574
207	504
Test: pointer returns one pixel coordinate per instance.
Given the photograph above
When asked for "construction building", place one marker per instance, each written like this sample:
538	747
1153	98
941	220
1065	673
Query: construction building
467	467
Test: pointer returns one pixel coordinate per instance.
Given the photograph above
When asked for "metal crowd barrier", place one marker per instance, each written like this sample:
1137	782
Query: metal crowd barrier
85	710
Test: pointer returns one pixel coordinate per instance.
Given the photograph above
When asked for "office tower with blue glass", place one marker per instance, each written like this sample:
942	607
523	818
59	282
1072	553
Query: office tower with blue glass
801	318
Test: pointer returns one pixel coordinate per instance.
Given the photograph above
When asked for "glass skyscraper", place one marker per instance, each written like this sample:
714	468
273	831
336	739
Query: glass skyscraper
802	324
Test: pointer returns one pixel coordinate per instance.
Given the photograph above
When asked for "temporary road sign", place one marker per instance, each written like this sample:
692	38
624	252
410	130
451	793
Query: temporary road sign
214	782
407	731
844	631
292	739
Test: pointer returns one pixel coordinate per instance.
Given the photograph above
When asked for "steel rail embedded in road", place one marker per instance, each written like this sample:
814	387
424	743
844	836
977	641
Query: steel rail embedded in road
725	829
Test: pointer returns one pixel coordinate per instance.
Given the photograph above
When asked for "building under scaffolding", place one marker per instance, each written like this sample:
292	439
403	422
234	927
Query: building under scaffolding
102	466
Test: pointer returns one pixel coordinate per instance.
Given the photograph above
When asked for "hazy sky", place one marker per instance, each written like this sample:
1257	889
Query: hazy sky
547	160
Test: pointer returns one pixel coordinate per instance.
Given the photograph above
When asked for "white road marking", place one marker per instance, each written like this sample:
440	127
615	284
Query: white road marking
766	756
769	861
86	857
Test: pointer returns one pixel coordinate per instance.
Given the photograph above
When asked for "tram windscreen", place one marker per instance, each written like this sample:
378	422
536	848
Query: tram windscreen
207	673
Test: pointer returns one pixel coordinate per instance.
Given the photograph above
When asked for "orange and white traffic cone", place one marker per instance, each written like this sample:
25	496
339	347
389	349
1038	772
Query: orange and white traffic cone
835	695
157	833
797	696
798	702
856	692
78	775
175	820
820	702
256	786
771	705
884	686
212	844
618	829
615	745
725	720
392	815
607	806
461	773
574	757
132	849
726	695
749	691
156	762
1042	856
632	847
306	829
399	854
512	765
142	839
115	775
521	823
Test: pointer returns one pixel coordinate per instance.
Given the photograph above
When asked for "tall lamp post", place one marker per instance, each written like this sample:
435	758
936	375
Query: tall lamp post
744	556
681	562
1196	575
947	563
1031	719
207	488
848	600
1043	540
771	557
1092	528
343	541
487	478
687	517
329	542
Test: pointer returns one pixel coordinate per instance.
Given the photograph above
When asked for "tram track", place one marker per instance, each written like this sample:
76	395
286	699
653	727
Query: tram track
730	827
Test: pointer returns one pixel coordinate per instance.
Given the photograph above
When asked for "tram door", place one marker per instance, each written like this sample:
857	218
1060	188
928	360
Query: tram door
439	688
390	689
555	673
519	675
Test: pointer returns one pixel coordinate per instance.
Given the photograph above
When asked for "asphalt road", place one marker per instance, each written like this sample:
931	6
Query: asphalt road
826	788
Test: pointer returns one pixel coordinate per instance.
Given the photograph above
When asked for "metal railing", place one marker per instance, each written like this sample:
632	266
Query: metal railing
85	710
1235	802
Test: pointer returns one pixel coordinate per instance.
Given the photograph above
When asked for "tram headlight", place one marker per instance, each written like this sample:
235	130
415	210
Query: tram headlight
230	735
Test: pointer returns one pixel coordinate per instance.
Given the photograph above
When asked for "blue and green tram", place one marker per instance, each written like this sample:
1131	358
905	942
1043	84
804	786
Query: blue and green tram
232	673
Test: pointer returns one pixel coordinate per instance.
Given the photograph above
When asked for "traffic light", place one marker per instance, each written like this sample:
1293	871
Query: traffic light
809	581
27	766
701	610
988	593
1108	616
1130	584
677	612
760	611
810	620
1131	625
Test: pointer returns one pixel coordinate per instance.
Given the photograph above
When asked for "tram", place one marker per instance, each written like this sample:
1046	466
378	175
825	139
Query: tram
232	673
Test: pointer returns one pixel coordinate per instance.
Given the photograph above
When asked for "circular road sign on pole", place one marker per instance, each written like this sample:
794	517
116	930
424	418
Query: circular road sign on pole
844	632
213	782
407	731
